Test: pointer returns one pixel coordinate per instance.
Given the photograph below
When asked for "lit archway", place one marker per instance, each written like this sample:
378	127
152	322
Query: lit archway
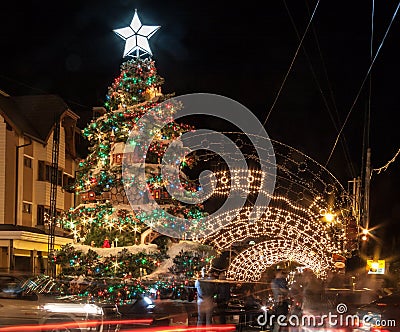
309	218
249	264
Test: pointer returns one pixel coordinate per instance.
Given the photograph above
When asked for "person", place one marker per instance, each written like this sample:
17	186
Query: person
313	289
280	287
223	297
205	294
280	291
251	305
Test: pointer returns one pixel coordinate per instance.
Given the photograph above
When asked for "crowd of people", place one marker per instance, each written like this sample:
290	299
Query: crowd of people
214	293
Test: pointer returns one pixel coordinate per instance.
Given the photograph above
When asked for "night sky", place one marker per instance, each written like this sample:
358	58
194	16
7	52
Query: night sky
238	51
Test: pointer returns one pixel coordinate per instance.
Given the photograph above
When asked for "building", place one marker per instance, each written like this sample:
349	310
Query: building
26	142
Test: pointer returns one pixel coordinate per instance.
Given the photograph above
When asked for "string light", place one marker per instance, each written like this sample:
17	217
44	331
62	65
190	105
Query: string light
385	167
291	227
105	208
309	212
249	264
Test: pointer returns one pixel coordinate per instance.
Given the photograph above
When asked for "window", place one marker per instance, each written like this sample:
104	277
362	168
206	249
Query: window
68	183
27	162
48	173
41	172
45	173
65	179
42	214
60	177
26	207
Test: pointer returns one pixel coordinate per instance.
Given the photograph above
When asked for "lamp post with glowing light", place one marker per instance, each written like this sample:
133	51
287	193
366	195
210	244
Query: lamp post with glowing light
365	233
329	217
364	237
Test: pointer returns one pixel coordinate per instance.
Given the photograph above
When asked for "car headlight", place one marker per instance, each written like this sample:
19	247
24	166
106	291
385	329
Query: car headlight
73	308
147	300
93	309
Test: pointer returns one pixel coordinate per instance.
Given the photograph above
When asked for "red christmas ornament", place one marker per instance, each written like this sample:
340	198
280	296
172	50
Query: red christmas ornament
106	243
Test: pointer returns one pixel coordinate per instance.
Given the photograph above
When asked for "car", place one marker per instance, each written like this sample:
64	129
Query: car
380	315
40	301
135	304
143	311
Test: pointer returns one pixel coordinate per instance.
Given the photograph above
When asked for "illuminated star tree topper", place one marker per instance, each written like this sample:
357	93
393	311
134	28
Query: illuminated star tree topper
136	37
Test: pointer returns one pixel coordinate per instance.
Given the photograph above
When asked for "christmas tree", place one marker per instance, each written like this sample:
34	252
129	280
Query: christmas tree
189	264
107	197
74	262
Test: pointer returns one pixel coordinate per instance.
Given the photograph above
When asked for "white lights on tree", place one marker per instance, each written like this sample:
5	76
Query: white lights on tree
136	37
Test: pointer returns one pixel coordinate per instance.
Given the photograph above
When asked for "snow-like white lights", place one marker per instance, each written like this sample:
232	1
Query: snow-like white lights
136	37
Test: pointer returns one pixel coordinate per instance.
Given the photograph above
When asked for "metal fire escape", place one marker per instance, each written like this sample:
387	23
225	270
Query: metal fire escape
51	267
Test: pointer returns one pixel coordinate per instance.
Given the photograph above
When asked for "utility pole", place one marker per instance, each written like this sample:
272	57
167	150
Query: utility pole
367	184
355	198
51	267
366	205
17	206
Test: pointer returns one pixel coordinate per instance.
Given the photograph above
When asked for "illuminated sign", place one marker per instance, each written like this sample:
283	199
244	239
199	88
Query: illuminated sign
376	266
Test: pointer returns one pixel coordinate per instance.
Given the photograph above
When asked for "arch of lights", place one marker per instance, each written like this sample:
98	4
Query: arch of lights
275	222
250	263
305	193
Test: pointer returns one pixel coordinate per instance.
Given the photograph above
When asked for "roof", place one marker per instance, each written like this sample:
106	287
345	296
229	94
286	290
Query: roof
33	115
11	227
59	232
11	112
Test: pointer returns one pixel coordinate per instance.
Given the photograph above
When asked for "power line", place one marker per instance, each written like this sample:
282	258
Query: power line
26	85
367	120
291	64
362	84
23	84
385	167
333	101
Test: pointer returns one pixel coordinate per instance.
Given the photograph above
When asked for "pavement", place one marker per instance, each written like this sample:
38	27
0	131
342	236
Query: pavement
182	313
177	313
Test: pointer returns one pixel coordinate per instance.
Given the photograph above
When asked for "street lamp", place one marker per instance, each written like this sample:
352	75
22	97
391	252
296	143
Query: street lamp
365	233
329	217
